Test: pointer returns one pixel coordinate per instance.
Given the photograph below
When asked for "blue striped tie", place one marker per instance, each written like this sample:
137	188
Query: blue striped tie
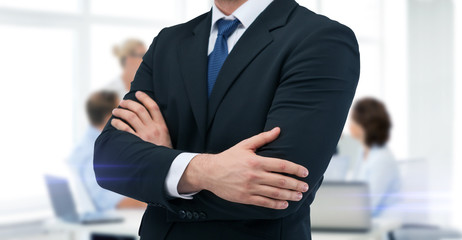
218	56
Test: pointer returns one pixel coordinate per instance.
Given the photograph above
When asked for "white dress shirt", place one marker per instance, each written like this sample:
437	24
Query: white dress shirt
246	13
380	171
81	163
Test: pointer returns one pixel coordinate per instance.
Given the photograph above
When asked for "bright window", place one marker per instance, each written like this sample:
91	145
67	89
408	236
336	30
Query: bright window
153	9
36	113
42	5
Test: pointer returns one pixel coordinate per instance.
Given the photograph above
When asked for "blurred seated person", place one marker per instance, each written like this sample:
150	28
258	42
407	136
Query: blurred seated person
129	55
370	124
98	107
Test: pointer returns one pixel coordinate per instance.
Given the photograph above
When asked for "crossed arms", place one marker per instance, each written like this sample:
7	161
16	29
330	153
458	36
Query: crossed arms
246	181
237	175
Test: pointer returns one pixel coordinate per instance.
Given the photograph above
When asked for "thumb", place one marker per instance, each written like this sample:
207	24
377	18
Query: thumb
261	139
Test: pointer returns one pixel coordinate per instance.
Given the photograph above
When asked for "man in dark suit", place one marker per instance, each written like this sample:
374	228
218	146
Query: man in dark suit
225	115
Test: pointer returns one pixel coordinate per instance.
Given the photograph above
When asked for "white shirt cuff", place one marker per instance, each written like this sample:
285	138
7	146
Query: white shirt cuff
174	174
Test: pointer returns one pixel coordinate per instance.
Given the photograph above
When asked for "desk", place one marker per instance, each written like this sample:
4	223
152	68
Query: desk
129	227
342	236
132	220
379	231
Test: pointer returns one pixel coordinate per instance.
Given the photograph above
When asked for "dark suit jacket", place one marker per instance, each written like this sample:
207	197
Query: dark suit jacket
292	68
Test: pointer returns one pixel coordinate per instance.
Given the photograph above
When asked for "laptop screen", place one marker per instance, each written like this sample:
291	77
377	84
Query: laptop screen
342	206
61	197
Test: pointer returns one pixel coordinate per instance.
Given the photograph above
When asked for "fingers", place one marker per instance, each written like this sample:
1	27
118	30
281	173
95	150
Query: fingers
284	166
137	108
283	182
129	116
268	202
261	139
120	125
151	105
278	193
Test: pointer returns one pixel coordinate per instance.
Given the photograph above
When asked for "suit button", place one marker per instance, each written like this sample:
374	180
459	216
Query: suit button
202	215
189	215
182	214
195	215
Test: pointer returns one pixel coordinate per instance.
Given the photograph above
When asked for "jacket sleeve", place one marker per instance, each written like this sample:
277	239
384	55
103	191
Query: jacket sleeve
124	163
317	85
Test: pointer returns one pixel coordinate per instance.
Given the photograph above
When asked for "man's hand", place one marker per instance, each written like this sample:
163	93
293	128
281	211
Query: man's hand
239	175
145	119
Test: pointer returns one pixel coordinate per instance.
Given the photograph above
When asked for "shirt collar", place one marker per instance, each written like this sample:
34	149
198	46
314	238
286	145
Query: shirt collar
246	13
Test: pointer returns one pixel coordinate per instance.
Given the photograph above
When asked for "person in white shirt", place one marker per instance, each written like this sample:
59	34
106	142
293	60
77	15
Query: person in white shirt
376	164
98	107
129	55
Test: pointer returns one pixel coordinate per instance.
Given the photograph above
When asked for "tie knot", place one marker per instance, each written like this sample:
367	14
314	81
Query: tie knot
227	27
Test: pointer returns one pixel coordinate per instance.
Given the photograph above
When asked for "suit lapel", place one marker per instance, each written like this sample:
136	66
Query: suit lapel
192	58
252	42
193	64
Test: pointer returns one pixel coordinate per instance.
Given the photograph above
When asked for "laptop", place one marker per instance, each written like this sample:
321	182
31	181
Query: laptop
341	206
64	207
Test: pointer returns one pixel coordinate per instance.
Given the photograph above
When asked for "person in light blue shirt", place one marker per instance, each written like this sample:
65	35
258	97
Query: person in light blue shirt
370	125
98	107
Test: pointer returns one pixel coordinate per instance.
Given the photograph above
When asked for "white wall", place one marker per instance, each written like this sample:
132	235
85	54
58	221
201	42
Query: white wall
457	169
431	97
395	73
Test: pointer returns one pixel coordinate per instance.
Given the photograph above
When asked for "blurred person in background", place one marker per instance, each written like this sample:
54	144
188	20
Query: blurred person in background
129	55
98	108
370	125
